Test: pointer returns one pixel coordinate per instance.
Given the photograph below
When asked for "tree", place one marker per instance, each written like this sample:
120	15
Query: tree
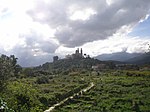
23	97
8	68
5	70
42	80
17	68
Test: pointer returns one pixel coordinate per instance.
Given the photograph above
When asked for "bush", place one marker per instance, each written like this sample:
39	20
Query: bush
22	97
28	72
42	80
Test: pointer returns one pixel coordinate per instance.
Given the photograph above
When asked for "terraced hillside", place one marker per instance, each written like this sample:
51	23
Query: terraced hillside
113	92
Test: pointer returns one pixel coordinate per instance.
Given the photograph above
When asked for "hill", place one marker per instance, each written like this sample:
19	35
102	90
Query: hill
64	64
140	60
119	56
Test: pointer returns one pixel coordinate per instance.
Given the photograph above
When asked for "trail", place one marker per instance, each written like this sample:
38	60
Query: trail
70	97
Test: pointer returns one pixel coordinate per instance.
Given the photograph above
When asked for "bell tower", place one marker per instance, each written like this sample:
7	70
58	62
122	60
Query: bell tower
81	52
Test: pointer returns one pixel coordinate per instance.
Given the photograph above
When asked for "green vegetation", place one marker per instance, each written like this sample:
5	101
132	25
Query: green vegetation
65	64
8	68
37	89
114	91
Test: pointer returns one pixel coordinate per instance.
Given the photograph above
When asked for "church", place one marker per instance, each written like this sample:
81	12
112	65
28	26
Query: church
77	55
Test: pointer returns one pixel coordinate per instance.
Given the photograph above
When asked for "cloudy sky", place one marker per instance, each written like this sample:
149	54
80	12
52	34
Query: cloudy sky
36	30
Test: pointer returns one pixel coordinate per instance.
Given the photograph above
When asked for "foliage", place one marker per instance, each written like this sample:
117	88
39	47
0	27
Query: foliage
22	97
8	68
138	73
28	72
46	85
32	72
73	64
42	80
113	93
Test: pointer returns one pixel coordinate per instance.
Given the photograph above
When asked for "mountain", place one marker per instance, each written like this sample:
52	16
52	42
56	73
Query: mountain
119	56
140	60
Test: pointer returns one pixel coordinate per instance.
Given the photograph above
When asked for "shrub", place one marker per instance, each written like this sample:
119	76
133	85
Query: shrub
22	97
42	80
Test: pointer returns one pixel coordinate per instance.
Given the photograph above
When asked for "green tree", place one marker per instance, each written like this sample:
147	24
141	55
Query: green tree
42	80
23	97
17	68
8	68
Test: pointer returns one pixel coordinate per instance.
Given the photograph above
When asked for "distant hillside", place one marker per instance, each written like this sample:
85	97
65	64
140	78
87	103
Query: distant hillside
120	56
142	59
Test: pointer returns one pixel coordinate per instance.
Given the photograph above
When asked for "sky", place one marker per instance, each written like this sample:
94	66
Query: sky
36	30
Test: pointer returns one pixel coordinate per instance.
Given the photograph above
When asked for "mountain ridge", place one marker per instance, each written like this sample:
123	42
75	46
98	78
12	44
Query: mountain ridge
119	56
140	60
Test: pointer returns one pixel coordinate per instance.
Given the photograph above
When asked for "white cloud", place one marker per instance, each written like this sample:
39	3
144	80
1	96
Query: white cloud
83	14
109	2
22	36
15	24
117	44
144	18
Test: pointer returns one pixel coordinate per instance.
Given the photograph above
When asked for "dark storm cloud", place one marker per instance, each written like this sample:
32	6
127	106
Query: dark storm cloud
107	20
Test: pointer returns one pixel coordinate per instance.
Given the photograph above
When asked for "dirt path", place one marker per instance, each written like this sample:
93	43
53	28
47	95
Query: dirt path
70	97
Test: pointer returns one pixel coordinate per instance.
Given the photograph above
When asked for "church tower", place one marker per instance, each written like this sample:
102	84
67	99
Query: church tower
81	52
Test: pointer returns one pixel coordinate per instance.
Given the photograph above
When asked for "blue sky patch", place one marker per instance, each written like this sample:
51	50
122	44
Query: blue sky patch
142	29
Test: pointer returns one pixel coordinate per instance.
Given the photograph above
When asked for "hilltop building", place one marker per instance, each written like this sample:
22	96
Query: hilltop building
77	55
